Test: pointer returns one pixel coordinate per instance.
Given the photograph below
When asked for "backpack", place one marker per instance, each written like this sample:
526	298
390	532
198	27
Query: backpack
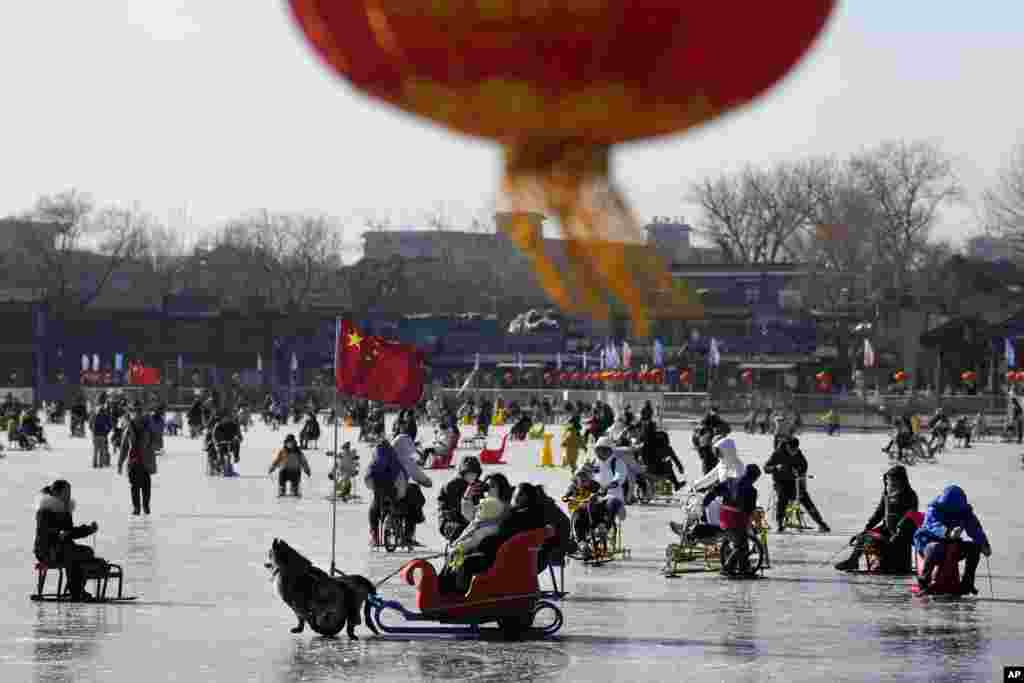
385	468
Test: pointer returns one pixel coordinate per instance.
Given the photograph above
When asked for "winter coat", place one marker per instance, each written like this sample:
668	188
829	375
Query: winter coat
449	501
740	493
613	470
948	511
138	445
291	460
405	451
899	504
729	464
53	516
785	466
555	549
102	424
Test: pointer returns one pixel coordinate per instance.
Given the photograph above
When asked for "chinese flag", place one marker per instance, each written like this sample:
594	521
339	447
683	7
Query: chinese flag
377	369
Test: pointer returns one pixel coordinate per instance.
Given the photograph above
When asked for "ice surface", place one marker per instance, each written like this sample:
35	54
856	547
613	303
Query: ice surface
207	611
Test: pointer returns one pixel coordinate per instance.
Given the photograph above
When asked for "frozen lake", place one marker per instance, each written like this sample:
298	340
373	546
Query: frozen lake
207	611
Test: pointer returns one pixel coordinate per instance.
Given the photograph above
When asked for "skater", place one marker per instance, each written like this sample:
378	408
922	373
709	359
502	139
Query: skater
788	467
947	516
56	534
310	432
102	425
293	463
893	538
483	418
647	412
137	449
451	521
962	431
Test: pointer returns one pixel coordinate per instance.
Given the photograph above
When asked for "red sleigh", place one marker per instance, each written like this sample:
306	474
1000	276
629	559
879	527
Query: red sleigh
508	593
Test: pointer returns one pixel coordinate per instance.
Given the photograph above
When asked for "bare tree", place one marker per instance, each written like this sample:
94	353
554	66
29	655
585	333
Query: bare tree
754	216
77	249
907	184
1004	203
293	258
165	255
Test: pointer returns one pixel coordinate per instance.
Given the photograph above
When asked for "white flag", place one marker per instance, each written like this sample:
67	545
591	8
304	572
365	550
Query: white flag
1011	355
714	357
259	362
558	361
476	362
584	361
85	362
95	362
519	360
869	355
659	354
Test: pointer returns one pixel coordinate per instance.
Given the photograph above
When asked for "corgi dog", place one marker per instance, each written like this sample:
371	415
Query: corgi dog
327	603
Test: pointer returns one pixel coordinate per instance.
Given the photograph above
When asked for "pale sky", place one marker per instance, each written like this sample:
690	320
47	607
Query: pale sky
217	107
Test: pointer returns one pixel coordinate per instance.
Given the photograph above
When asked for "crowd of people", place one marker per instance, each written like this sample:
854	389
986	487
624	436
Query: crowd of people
627	457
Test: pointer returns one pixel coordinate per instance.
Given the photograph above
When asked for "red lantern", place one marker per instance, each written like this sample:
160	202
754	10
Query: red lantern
899	376
509	377
524	73
684	377
748	376
968	376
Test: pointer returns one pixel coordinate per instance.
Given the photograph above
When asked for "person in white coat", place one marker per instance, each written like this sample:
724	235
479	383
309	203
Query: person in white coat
729	465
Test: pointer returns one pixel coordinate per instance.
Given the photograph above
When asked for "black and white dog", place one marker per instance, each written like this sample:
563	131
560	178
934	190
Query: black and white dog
327	603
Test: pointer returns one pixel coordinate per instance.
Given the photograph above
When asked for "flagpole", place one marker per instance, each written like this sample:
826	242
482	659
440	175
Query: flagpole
334	498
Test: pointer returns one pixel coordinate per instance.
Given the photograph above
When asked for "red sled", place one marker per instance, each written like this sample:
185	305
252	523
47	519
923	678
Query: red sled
493	457
508	593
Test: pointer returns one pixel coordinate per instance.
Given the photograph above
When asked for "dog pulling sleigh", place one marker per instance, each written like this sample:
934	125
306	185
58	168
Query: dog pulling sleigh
507	594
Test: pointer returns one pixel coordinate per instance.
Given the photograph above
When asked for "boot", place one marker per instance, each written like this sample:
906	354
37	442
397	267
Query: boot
280	492
852	563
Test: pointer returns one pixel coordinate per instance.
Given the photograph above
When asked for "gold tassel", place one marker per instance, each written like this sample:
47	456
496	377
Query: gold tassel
606	251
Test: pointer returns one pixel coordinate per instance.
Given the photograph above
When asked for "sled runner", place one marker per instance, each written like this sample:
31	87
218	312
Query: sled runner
101	573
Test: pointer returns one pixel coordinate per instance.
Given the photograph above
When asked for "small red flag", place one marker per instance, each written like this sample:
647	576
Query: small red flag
377	369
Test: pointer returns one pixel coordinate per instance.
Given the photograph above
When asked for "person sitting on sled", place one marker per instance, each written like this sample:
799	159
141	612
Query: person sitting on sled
581	488
293	463
903	438
610	503
658	456
56	534
947	516
894	536
728	464
451	521
962	430
495	522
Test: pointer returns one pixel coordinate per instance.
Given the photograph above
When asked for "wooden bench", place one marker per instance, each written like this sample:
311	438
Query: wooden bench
102	578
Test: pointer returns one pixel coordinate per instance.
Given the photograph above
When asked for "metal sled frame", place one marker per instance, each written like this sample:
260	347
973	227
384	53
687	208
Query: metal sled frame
113	571
463	626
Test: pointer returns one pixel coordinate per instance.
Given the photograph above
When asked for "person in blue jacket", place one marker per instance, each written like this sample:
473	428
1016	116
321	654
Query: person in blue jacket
948	516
